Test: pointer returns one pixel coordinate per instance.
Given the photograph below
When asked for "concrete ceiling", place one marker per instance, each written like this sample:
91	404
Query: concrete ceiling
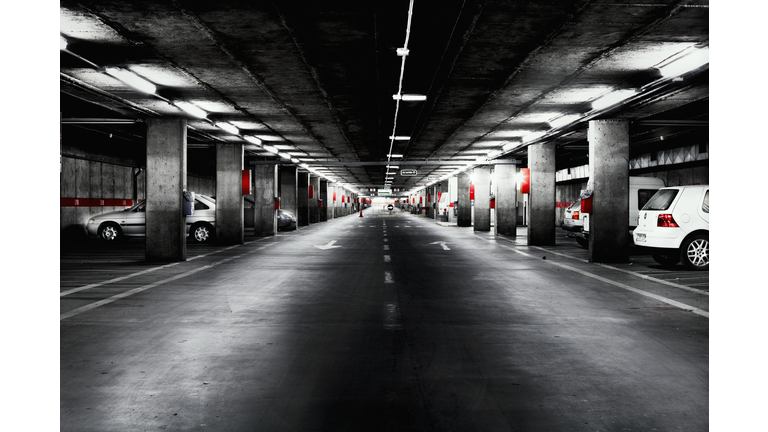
317	79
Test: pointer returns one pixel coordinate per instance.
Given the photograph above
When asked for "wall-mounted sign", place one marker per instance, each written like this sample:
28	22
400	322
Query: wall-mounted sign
408	172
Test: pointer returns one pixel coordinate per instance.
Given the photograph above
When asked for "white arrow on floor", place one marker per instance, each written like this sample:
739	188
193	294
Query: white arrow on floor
328	246
442	244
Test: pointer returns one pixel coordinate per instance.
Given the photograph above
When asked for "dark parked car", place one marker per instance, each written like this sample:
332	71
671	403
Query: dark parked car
286	221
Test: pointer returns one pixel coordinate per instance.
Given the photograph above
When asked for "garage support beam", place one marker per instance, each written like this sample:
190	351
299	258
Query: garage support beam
323	204
289	189
166	239
609	179
229	194
265	191
464	218
302	201
506	200
541	226
453	183
482	181
314	209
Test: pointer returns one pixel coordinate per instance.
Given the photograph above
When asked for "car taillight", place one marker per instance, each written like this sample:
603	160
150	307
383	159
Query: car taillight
666	220
575	215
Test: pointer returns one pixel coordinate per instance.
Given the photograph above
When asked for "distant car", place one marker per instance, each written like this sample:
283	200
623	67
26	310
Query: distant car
131	222
573	222
286	221
674	224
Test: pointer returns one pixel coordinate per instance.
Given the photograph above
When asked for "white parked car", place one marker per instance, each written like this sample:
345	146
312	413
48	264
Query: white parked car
675	224
131	222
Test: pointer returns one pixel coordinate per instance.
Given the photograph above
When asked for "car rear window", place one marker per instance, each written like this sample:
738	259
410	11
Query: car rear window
661	200
705	204
643	195
575	206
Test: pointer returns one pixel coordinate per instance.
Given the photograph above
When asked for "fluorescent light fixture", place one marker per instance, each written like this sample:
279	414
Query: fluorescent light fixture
613	98
393	166
494	153
402	52
533	136
511	146
228	127
63	42
399	138
409	97
395	156
294	160
564	120
686	63
252	139
274	151
191	109
131	79
304	165
284	156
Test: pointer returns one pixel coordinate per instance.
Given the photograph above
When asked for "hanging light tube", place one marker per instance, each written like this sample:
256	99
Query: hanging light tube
191	109
131	79
228	127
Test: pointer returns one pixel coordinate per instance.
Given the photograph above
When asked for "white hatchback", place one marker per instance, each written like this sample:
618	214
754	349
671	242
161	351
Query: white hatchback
675	224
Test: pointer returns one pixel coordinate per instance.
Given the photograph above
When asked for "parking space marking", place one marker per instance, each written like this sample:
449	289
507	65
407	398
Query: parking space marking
121	278
662	299
388	277
633	273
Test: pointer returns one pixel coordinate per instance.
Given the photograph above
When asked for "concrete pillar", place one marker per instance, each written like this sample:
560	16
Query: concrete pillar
314	199
609	179
289	192
542	223
264	193
506	200
302	212
453	183
482	181
229	194
324	199
464	218
166	238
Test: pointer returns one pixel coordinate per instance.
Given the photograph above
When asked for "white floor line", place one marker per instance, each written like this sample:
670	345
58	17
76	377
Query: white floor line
137	290
620	285
118	279
633	273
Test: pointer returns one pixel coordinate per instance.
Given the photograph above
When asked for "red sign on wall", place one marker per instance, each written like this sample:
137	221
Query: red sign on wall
311	191
471	192
525	186
247	182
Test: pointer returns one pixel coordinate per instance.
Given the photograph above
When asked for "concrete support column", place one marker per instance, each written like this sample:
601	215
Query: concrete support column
264	193
506	200
324	200
314	199
302	212
542	223
482	181
229	194
464	218
166	238
609	179
289	192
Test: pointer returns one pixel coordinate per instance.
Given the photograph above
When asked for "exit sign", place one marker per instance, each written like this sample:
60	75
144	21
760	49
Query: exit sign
408	172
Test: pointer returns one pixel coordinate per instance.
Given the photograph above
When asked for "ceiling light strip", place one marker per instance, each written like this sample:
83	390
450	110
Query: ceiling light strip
404	50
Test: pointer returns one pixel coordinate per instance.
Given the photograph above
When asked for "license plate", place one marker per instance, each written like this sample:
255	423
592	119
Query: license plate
640	237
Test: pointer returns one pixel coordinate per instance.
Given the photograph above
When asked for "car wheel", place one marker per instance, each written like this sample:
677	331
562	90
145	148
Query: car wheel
110	231
201	233
694	252
583	243
666	259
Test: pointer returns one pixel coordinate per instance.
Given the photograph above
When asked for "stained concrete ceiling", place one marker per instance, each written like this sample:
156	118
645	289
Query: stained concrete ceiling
316	79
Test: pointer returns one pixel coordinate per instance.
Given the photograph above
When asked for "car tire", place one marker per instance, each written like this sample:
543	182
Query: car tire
201	232
110	232
666	259
694	252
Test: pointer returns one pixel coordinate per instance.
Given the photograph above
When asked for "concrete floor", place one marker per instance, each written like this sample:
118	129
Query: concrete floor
377	324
